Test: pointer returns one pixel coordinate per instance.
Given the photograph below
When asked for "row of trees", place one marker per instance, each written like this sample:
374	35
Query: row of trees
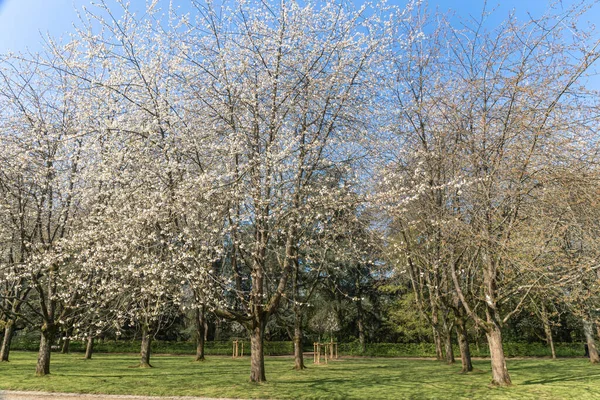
233	160
499	160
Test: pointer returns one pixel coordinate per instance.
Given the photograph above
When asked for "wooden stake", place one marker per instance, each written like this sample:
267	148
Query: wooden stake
331	349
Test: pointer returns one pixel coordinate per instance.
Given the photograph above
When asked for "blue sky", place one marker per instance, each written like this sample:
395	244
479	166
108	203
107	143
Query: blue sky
23	22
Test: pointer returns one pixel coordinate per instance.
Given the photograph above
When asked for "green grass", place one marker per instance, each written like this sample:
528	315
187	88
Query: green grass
351	378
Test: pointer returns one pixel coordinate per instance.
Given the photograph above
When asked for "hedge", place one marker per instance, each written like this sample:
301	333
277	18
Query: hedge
158	347
511	349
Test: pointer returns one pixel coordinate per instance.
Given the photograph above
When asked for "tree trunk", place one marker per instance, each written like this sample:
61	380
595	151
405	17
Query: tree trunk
8	334
549	339
43	363
500	375
67	343
588	330
361	326
89	348
145	351
217	330
298	336
439	355
547	330
463	344
257	357
449	351
200	333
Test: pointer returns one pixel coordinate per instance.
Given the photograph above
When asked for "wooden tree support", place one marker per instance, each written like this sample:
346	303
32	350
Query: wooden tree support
236	348
329	350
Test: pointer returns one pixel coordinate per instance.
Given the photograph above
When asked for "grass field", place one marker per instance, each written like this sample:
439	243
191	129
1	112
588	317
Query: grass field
350	378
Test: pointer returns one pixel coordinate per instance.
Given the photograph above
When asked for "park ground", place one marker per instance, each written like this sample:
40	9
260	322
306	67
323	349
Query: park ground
347	378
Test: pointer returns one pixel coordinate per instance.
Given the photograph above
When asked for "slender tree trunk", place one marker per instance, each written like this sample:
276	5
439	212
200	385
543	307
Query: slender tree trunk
463	344
43	363
7	340
66	346
547	329
449	351
588	330
145	351
361	326
200	333
298	336
500	374
217	329
67	342
89	348
257	356
439	354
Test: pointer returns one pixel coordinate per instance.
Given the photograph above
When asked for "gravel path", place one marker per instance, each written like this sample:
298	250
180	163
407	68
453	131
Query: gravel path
18	395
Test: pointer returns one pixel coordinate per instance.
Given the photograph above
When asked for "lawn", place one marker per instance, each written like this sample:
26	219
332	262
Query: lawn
350	378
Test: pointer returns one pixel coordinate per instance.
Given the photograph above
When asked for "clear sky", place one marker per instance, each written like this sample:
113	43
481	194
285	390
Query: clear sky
23	22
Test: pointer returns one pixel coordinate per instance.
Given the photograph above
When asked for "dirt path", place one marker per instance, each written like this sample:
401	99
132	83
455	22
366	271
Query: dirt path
18	395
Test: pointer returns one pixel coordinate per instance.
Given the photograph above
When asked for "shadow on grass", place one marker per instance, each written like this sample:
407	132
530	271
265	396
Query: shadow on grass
562	378
345	379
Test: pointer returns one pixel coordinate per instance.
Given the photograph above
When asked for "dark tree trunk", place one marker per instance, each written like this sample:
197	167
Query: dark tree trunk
43	363
588	330
200	333
67	342
500	376
257	357
217	329
298	336
7	340
66	346
89	348
463	344
145	351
